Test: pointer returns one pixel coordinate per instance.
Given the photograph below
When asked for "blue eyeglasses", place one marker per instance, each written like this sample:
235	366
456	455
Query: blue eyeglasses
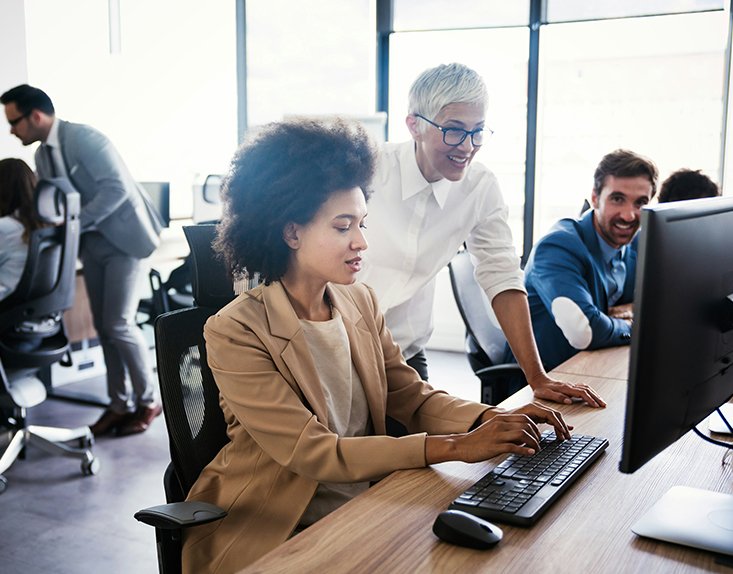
456	136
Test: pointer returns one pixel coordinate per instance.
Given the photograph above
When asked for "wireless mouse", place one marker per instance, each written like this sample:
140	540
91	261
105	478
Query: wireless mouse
464	529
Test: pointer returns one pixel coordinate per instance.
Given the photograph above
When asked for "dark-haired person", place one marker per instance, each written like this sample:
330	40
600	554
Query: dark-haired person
119	228
430	197
687	184
580	276
306	369
17	220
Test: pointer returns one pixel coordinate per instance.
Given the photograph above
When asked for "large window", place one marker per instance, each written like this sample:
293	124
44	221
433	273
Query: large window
653	85
167	99
310	58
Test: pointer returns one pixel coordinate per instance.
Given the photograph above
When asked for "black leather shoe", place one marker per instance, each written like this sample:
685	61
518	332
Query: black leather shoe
140	421
109	421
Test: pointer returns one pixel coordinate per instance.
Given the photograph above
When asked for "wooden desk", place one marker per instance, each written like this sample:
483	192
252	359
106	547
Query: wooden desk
389	527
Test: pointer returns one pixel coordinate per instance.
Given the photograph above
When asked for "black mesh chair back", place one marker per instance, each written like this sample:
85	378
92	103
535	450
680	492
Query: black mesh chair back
211	283
485	342
190	397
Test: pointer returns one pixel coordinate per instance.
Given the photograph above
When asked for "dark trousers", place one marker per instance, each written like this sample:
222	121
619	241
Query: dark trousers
418	362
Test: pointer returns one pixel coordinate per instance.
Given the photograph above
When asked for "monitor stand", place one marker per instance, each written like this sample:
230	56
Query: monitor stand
692	517
716	424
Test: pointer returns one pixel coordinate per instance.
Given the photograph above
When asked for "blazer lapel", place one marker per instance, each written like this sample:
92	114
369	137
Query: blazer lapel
630	260
364	355
63	149
591	239
284	323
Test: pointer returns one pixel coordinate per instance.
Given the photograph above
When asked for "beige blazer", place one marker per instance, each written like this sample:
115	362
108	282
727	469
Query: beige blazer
281	447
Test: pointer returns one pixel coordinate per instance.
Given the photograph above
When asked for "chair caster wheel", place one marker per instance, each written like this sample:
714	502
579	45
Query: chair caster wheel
3	484
86	441
90	465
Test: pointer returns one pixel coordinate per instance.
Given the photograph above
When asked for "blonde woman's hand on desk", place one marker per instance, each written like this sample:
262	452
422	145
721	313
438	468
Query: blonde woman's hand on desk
500	431
556	391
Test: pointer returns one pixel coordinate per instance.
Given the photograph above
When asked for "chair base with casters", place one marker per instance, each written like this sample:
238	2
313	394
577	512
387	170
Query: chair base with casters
25	391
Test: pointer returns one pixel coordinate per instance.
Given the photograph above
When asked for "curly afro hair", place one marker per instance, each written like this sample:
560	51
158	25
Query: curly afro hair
284	174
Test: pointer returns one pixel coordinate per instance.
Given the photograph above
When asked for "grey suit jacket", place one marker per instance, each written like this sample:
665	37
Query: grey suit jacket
112	202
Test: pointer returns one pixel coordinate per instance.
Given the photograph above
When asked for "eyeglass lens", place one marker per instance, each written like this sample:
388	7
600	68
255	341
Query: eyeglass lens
455	136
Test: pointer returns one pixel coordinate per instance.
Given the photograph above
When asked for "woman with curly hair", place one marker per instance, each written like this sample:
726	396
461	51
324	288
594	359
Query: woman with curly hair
307	370
17	219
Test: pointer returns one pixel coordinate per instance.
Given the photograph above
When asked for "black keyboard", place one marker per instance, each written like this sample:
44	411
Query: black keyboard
521	488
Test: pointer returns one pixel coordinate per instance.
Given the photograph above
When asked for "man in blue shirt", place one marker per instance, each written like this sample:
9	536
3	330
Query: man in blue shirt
580	276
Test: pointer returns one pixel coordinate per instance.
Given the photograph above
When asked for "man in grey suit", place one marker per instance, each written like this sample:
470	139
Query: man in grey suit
119	228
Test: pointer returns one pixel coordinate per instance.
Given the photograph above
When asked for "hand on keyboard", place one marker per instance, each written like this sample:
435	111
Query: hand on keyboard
514	431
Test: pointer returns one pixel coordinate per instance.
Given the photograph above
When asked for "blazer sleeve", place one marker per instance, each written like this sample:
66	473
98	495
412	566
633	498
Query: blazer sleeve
274	415
560	275
105	167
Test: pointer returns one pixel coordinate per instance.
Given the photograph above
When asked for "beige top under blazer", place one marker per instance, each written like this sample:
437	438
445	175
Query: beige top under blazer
281	447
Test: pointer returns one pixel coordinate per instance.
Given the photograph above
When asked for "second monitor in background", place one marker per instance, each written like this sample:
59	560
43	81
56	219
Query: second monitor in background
159	192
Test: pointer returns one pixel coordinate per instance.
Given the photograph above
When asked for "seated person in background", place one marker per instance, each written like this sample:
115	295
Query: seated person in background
431	197
687	184
17	220
580	276
306	368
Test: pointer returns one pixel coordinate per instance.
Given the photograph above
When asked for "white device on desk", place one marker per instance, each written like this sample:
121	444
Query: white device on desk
716	424
707	520
681	367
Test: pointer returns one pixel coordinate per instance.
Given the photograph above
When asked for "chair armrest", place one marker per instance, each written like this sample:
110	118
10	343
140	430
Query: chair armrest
178	515
498	382
500	370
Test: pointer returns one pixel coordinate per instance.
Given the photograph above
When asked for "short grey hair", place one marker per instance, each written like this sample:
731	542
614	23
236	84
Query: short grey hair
445	84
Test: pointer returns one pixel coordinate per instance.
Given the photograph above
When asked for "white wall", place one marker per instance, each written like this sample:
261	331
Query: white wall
13	71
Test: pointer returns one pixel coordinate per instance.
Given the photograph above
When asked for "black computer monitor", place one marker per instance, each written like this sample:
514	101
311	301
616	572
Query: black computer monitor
681	366
159	192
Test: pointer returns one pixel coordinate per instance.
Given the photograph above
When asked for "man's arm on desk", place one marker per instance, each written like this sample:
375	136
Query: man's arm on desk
562	276
625	312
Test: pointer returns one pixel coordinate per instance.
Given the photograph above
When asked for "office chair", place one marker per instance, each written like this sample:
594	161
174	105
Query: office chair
485	341
210	278
190	398
32	334
170	295
585	207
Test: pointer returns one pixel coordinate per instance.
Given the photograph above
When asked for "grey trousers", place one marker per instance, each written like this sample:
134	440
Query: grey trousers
111	278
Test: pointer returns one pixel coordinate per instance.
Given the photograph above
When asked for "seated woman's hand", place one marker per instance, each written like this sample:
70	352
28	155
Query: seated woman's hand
513	431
